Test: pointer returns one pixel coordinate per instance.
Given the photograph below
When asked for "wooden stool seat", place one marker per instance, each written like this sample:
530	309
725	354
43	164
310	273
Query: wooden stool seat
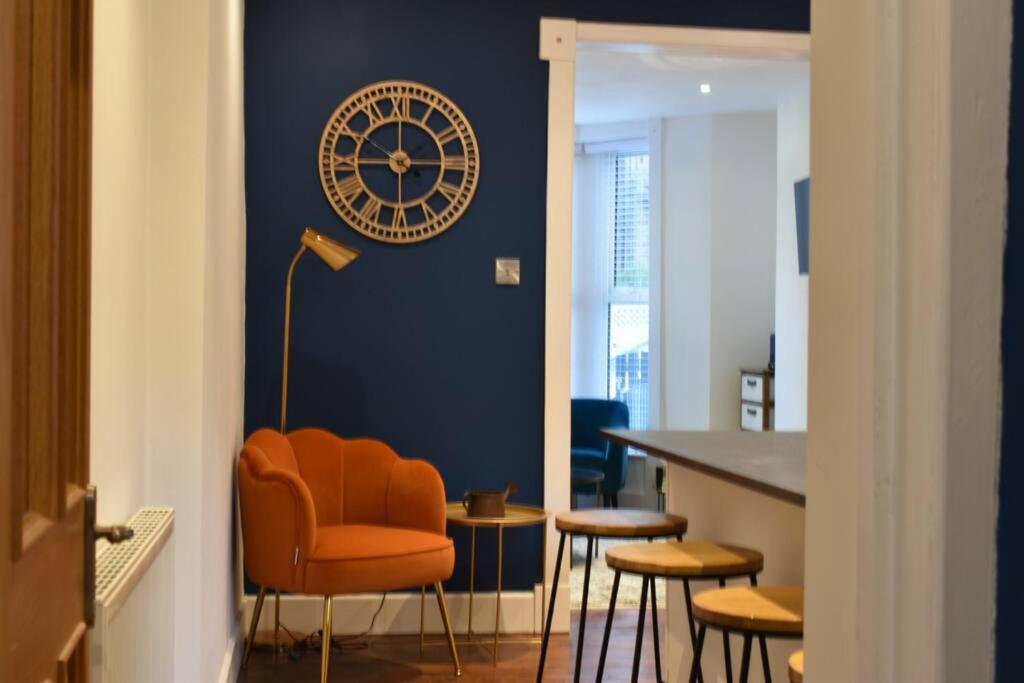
691	559
796	667
768	610
621	523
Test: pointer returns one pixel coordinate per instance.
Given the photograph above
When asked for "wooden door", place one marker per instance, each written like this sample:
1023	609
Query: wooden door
45	105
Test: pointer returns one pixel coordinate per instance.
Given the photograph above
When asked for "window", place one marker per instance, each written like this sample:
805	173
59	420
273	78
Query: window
628	310
611	275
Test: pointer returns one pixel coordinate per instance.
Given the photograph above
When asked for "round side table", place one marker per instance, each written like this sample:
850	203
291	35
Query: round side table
515	516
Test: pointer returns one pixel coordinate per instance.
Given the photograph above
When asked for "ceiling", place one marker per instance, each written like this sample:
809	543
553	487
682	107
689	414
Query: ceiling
617	86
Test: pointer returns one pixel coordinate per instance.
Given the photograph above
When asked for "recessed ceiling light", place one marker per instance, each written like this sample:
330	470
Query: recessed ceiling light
705	88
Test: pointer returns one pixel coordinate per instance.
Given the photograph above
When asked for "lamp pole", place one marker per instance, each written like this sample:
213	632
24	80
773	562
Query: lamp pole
336	256
287	335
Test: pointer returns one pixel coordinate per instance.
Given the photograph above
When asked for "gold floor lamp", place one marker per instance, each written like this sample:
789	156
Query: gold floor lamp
337	256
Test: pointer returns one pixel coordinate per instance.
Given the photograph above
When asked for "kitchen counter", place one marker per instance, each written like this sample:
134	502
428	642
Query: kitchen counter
771	463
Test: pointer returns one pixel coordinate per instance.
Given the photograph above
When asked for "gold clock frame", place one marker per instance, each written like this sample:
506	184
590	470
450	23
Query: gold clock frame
356	203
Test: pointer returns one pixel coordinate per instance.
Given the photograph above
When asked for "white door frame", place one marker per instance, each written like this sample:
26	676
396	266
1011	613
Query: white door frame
909	111
908	150
559	40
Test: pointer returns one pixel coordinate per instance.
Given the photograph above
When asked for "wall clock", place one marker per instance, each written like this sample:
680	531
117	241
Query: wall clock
399	161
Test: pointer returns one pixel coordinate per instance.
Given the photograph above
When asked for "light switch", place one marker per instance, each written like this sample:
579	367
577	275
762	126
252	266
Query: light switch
506	271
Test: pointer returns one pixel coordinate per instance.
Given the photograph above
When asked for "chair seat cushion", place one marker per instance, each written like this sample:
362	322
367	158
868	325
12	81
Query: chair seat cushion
588	458
364	558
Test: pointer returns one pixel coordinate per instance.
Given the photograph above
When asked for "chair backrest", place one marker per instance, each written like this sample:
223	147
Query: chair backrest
348	478
591	415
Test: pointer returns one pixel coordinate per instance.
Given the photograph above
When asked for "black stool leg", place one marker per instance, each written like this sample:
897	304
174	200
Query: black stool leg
608	626
657	637
551	609
693	629
745	664
697	649
764	645
726	647
640	630
583	610
764	660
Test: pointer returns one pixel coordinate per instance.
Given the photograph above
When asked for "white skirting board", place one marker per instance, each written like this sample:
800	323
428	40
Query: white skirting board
232	661
520	612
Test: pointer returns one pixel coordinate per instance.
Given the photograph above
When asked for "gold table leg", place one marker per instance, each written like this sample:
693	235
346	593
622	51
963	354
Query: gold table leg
543	575
497	603
472	579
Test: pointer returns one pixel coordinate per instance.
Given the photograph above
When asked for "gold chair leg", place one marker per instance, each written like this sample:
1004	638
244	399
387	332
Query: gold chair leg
277	622
448	627
253	623
325	650
423	601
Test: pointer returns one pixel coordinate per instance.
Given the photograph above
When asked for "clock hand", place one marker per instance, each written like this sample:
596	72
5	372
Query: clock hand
374	143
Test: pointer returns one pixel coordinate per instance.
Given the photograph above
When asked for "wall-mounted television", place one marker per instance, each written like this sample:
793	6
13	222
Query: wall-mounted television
802	197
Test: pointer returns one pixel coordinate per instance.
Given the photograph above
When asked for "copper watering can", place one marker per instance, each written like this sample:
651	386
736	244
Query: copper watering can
487	502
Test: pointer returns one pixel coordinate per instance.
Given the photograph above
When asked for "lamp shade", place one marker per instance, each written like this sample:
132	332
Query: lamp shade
334	254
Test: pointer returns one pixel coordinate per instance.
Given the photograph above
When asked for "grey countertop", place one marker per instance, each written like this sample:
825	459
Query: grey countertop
769	462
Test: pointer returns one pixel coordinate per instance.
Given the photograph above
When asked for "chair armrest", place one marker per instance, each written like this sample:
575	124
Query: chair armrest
416	497
278	525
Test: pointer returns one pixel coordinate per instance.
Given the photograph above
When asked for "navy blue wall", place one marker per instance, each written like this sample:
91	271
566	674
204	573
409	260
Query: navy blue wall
1010	597
415	344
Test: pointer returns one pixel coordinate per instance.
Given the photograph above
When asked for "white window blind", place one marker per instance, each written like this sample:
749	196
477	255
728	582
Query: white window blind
628	312
631	233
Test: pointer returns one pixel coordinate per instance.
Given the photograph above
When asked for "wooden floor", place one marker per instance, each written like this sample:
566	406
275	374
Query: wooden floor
397	658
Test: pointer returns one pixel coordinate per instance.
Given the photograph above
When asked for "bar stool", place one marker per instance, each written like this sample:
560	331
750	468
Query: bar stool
770	611
686	560
796	667
636	524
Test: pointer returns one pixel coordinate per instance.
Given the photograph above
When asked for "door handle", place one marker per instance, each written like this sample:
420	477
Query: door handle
114	534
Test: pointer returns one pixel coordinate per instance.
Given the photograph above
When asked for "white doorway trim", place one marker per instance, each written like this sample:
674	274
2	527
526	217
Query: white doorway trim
909	110
559	41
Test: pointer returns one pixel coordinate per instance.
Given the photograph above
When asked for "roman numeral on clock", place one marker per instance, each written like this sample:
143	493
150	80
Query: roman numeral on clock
345	162
400	108
447	135
349	188
455	163
370	210
373	113
398	221
450	191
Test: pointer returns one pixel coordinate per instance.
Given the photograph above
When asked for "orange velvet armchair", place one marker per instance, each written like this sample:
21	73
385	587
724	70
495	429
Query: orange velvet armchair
328	516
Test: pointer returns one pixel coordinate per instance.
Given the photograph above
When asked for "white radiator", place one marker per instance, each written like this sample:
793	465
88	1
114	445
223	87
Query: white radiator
133	638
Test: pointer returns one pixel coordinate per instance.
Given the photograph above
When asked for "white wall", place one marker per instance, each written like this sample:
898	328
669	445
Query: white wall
791	288
223	343
120	218
686	271
742	256
168	280
718	261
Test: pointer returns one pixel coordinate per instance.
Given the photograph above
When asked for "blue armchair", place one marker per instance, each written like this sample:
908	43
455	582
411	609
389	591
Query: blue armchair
592	451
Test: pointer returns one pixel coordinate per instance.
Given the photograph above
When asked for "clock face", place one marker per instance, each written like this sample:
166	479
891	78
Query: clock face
399	161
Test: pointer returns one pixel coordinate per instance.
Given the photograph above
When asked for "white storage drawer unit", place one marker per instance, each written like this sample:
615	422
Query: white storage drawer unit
757	400
752	417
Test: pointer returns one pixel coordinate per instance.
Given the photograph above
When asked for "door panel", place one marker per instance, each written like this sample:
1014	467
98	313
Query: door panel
45	131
